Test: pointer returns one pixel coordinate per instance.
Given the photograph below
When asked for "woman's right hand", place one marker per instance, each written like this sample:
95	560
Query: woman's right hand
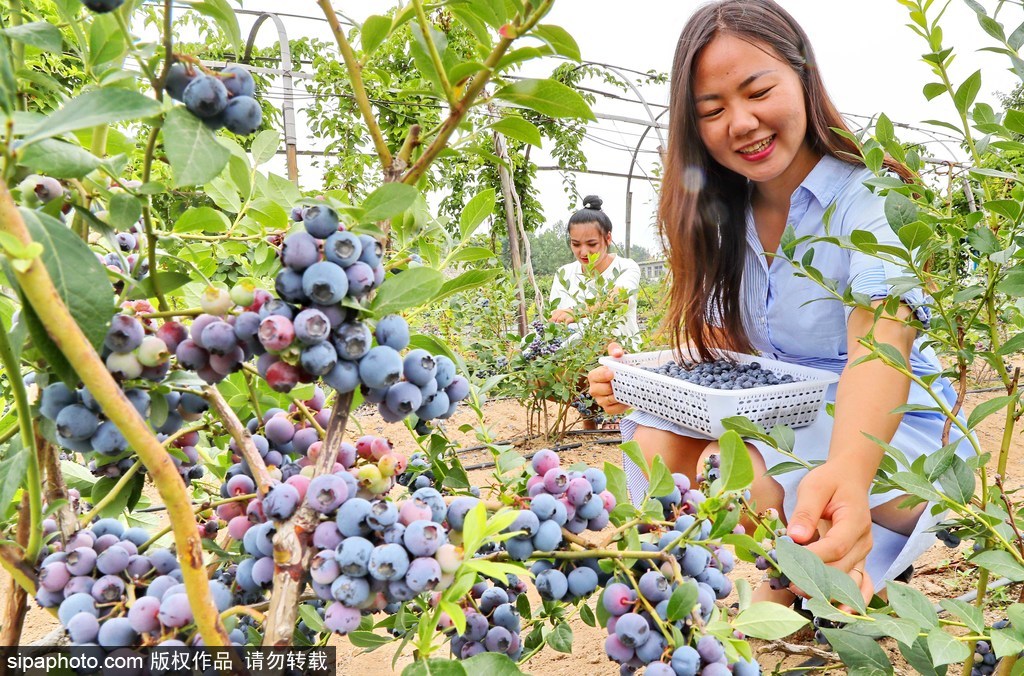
601	384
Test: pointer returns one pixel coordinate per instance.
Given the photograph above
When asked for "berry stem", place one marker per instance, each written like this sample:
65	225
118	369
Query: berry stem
242	438
125	479
355	76
147	216
435	56
33	479
40	293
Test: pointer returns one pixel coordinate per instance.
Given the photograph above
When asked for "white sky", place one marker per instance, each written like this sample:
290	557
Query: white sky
869	59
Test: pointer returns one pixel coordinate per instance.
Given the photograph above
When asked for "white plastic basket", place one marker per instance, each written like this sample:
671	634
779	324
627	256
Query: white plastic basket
702	408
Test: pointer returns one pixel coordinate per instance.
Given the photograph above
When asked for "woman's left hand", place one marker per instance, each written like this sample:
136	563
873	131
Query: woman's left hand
562	317
828	494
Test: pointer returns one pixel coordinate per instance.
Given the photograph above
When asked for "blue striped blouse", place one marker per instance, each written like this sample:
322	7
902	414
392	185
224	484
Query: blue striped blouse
792	318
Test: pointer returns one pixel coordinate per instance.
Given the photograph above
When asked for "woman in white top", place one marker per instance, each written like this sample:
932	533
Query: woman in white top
590	235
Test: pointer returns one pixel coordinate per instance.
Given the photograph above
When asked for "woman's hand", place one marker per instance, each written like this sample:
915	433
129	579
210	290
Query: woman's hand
562	317
827	494
601	384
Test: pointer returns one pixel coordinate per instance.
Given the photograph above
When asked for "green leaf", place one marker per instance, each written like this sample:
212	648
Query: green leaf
805	569
900	629
519	129
945	649
475	211
412	288
1001	563
547	97
559	40
434	667
768	621
125	211
970	614
368	639
8	85
616	482
682	601
633	452
99	106
312	619
491	664
661	483
222	12
861	655
471	254
987	408
917	485
736	466
914	235
77	275
12	475
40	34
265	146
919	657
844	589
59	159
76	476
470	279
900	210
195	155
168	280
933	89
387	201
958	482
560	638
911	604
202	219
106	41
967	92
373	32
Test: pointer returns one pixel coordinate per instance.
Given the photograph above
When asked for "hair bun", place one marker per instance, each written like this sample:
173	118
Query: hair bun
592	202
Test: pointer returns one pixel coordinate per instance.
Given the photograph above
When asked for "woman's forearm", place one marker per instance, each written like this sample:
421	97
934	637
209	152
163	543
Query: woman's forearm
866	397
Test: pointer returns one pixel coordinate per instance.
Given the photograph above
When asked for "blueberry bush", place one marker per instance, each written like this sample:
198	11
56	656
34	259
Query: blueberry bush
181	317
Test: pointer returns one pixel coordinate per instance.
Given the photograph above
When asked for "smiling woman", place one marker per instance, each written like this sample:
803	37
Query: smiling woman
752	152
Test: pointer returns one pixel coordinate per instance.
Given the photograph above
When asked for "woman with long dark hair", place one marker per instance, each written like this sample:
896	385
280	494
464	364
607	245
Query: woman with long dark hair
752	151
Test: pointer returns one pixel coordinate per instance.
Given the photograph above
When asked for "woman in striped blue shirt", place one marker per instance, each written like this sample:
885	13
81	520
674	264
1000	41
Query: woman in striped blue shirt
751	153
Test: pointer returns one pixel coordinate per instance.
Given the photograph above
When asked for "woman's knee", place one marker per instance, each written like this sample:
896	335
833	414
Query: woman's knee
679	452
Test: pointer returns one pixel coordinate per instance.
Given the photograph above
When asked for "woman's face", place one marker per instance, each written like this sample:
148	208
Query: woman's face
586	239
751	113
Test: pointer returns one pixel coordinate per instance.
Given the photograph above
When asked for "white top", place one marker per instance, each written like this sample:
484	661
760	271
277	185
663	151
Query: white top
623	273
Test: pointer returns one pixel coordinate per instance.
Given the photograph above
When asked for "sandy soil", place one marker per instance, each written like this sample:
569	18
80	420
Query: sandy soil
941	572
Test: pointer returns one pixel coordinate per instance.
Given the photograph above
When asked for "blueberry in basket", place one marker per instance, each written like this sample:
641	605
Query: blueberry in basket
723	374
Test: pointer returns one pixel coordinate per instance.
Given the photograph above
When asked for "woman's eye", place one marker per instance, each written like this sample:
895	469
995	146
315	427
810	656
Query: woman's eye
757	95
711	113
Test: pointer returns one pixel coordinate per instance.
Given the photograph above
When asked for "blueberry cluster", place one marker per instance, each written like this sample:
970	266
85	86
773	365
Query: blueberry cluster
109	594
220	99
947	537
499	365
493	625
984	658
542	345
568	581
217	343
418	474
574	500
636	638
82	427
371	554
722	374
